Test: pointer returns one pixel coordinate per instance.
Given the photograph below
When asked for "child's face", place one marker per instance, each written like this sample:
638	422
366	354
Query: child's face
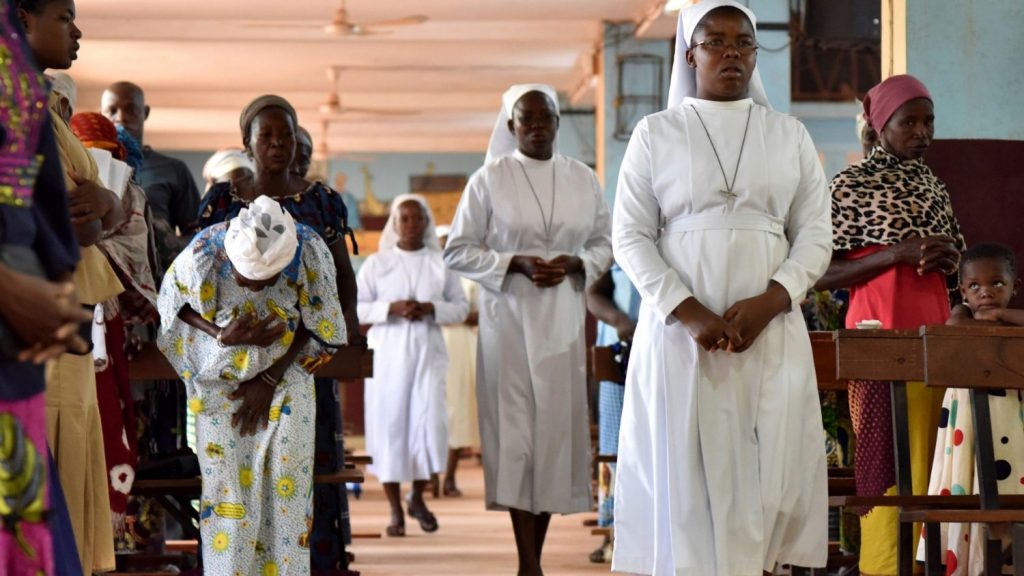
987	284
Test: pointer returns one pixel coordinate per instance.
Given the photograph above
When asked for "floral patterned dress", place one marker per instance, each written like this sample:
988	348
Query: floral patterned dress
257	491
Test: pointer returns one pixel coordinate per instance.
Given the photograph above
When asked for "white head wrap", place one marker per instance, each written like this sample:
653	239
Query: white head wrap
224	162
261	240
684	79
389	236
442	230
503	142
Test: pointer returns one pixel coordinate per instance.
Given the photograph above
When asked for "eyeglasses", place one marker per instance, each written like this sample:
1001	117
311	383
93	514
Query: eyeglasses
718	46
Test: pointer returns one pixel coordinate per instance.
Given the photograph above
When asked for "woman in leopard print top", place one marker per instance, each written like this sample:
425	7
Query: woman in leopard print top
896	247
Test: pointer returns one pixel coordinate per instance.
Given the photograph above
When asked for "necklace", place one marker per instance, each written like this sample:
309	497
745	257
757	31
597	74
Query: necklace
549	218
414	282
729	195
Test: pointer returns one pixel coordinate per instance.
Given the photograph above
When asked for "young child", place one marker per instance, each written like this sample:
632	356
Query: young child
988	280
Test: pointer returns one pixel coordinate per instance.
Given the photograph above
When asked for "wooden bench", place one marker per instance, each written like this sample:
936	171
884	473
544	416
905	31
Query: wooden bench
175	494
978	359
899	356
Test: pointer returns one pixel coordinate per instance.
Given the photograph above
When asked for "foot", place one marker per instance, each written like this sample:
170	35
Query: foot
427	520
451	490
397	527
603	553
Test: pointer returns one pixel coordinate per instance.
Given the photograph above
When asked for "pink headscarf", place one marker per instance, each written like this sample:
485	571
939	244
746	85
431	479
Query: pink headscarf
886	98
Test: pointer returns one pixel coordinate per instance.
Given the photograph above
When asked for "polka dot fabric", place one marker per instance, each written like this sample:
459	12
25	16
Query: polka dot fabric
953	468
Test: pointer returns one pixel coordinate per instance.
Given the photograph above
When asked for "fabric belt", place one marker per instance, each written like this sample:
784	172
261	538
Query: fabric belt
725	221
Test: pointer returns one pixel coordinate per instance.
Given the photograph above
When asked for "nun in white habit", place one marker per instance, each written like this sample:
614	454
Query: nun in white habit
532	228
722	221
406	293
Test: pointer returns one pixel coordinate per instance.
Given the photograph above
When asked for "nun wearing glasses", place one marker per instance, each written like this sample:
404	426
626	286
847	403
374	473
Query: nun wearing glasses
722	222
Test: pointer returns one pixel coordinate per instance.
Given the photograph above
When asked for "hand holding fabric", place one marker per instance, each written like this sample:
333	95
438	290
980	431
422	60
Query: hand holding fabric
709	330
247	330
254	412
750	316
89	201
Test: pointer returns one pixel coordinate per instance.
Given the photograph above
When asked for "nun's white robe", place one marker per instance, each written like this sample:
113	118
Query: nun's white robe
531	373
721	467
406	414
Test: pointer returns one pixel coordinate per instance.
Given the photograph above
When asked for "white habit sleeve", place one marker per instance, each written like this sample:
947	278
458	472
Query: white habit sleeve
808	226
635	230
597	252
466	252
370	310
454	308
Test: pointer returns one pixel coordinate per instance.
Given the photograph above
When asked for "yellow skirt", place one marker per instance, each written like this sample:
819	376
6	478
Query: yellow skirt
76	438
879	529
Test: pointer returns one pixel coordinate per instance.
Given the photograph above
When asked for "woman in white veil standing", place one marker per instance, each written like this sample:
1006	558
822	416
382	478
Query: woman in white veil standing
722	221
406	293
532	228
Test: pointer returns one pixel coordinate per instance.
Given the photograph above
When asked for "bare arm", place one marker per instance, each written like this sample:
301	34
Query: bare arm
842	273
1011	316
347	290
602	306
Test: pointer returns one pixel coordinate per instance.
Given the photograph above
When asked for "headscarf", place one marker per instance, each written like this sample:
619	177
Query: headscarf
503	142
96	131
442	230
261	241
132	148
683	81
389	236
886	98
250	112
64	85
224	162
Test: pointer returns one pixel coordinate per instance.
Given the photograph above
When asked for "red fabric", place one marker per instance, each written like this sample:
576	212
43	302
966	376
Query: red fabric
886	98
117	416
900	299
96	131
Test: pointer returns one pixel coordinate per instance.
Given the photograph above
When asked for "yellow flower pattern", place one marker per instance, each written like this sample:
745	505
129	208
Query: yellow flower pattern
221	541
241	482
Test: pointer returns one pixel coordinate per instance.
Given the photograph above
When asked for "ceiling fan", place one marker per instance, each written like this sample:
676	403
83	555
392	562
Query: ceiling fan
333	106
342	26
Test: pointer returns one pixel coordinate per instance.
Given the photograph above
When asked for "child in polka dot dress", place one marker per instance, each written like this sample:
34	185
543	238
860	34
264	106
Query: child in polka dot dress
988	280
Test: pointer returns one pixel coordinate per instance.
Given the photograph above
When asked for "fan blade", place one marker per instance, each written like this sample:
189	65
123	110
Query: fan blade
278	24
377	111
407	21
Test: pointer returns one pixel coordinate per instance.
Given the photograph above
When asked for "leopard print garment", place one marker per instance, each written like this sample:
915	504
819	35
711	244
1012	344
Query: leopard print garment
883	201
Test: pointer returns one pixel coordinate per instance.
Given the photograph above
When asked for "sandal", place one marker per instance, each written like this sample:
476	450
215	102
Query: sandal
396	530
451	491
427	520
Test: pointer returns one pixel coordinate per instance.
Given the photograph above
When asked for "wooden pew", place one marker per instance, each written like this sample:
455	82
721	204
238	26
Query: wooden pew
175	494
897	356
978	358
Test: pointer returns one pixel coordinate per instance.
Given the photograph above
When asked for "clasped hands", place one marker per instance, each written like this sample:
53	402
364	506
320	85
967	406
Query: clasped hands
546	273
739	327
411	310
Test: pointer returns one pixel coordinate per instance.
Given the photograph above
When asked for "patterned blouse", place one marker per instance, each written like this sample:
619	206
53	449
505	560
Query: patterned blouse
318	207
201	277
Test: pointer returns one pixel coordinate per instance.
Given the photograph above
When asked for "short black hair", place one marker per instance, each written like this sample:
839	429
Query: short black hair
700	25
990	251
31	6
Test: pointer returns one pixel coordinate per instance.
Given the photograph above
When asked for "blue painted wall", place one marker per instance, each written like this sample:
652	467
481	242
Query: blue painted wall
968	54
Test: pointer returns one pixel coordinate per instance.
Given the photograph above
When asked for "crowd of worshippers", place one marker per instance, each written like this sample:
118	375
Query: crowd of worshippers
723	222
